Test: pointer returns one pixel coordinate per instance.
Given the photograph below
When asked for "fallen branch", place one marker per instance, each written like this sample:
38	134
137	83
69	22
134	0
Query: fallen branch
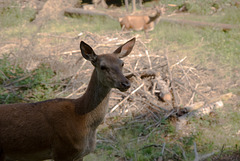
81	87
146	52
175	100
201	157
79	12
116	106
162	89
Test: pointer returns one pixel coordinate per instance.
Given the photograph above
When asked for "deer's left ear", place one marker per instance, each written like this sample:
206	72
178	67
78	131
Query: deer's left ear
87	52
125	49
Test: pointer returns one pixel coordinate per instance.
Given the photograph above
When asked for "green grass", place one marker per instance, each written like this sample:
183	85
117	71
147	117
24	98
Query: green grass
219	130
13	15
199	44
80	24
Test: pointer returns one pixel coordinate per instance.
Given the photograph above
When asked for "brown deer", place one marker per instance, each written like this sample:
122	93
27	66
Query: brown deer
63	129
138	23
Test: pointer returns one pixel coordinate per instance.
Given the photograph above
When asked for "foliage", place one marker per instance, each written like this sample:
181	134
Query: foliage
18	85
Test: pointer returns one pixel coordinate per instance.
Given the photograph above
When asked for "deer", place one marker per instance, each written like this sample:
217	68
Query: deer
138	23
64	129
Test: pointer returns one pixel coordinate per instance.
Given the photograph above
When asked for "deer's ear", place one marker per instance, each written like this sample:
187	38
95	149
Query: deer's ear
125	49
87	52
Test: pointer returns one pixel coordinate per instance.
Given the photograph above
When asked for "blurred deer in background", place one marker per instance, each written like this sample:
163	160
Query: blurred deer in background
138	23
63	129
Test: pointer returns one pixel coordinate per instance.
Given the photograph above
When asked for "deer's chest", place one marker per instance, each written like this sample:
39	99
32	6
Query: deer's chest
93	120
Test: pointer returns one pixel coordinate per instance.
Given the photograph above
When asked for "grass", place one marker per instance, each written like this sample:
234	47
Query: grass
139	139
199	44
79	24
219	130
14	15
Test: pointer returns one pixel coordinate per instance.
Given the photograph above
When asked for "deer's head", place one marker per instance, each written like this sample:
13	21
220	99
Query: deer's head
109	66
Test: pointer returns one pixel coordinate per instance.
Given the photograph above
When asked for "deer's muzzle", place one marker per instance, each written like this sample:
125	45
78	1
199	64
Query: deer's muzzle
123	85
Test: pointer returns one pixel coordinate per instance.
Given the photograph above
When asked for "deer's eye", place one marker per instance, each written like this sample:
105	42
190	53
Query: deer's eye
122	64
103	67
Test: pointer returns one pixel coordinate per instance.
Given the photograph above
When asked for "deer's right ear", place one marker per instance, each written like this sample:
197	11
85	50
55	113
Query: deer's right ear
125	49
87	52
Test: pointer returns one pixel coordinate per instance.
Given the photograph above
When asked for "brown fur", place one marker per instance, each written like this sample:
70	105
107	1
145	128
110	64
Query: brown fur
138	23
63	129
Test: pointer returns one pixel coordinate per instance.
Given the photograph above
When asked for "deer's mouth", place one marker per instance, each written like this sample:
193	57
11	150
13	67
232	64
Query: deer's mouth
124	86
123	89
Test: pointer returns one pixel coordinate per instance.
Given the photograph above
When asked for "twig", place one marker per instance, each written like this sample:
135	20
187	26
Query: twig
149	60
201	157
136	64
148	104
178	62
156	146
148	146
175	102
189	84
163	148
183	153
71	52
20	79
146	52
116	106
222	149
78	71
206	99
191	99
154	88
151	102
82	86
205	156
154	115
195	152
185	75
4	75
169	114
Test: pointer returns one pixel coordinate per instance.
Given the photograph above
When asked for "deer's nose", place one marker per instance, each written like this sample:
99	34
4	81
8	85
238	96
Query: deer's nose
126	84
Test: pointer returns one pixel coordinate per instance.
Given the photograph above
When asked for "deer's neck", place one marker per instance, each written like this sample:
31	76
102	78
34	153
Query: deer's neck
96	96
154	18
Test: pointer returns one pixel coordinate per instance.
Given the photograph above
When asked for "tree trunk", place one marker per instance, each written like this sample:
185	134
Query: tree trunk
133	5
126	4
140	4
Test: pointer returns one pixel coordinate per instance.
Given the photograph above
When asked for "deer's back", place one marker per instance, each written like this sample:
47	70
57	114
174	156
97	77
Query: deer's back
136	22
37	128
